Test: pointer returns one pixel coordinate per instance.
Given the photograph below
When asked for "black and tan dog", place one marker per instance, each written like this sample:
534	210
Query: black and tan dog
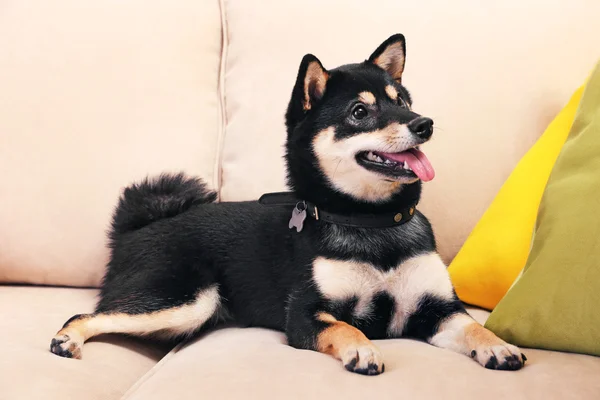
359	263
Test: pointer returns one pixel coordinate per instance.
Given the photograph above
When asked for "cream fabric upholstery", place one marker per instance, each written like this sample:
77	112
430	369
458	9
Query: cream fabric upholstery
30	316
257	364
93	95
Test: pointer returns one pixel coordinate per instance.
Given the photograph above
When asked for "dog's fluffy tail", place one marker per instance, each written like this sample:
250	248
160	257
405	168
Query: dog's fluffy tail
156	198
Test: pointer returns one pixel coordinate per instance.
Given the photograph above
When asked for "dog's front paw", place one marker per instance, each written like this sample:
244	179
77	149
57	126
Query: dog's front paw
64	346
502	356
365	359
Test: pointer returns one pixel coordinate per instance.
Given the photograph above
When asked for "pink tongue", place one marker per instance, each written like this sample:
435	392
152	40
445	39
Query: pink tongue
416	160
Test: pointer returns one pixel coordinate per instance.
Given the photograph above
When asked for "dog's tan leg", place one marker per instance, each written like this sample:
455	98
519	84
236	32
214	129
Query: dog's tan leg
350	345
172	322
464	335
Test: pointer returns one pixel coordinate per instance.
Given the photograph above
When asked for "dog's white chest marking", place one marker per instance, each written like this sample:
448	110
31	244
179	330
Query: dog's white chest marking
406	284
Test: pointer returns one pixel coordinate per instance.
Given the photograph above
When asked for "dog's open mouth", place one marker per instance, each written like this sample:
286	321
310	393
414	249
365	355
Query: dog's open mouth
411	163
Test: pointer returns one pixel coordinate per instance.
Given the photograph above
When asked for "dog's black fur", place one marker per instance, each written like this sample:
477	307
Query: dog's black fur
170	240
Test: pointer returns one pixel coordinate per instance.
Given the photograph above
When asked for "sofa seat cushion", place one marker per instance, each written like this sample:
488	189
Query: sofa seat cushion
30	318
258	364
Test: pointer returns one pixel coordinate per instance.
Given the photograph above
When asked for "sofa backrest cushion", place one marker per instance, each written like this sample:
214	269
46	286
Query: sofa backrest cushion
492	75
94	95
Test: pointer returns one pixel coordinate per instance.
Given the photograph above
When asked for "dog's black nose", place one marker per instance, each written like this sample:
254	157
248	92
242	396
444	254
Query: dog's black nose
422	127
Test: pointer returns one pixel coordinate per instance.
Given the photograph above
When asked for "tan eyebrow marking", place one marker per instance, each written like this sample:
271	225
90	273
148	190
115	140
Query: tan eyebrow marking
391	92
367	97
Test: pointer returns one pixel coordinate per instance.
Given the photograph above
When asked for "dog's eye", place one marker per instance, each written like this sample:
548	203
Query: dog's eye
359	112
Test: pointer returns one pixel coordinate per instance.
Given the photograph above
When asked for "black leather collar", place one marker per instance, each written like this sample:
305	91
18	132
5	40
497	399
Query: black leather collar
384	220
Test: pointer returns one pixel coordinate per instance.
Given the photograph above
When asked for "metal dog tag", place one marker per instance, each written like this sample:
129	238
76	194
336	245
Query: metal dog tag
298	217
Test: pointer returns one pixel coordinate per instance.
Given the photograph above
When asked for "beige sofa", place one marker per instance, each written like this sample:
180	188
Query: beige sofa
95	94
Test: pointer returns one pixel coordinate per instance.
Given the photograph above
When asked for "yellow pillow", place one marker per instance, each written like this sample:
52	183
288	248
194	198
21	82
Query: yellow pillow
496	250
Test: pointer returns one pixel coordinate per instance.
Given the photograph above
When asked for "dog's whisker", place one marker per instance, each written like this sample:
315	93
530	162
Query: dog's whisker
337	166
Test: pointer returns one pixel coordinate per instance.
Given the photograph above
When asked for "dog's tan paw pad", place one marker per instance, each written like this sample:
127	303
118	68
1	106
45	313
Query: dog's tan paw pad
64	346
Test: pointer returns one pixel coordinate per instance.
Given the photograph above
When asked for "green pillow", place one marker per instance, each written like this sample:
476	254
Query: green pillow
555	304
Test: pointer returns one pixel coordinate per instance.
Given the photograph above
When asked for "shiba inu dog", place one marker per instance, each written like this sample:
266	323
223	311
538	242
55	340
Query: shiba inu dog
343	258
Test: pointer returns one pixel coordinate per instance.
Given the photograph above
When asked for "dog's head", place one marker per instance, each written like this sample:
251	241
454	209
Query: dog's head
352	131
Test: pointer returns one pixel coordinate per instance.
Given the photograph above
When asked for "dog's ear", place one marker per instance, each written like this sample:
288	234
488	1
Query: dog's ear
308	90
312	79
390	56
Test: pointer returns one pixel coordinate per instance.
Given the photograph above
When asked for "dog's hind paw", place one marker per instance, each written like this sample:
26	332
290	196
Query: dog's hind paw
64	346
